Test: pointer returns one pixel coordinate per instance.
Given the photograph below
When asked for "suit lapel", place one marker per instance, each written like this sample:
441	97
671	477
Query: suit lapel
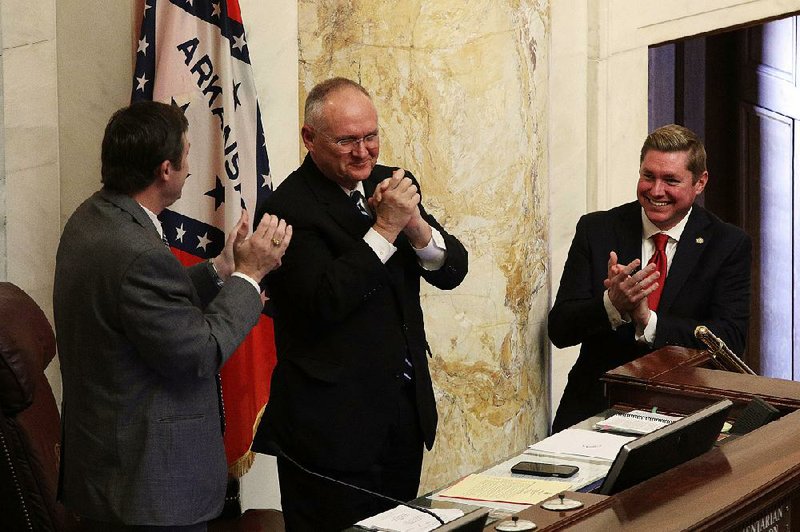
690	247
342	211
334	200
629	234
369	189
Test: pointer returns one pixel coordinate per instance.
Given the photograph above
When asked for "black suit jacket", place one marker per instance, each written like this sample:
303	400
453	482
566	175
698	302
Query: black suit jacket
344	322
708	283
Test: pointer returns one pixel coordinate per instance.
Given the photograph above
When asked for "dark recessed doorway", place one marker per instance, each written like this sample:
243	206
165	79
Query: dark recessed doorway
740	90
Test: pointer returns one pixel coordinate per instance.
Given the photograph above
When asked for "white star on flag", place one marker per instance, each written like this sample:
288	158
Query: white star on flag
217	11
238	42
143	44
142	82
203	241
180	232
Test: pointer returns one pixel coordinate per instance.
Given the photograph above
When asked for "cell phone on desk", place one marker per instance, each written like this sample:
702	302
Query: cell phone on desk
540	469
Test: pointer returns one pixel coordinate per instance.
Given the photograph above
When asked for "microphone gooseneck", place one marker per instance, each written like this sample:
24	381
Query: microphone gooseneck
720	354
273	448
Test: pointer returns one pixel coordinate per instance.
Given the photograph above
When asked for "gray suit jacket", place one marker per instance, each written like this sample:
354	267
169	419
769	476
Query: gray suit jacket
140	341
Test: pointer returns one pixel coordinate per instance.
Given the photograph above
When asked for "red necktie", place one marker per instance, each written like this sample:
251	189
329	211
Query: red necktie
659	258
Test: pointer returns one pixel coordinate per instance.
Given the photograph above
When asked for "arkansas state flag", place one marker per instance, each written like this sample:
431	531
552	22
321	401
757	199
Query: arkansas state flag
194	53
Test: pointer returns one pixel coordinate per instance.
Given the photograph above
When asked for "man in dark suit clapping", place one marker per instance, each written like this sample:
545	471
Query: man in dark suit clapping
351	395
696	270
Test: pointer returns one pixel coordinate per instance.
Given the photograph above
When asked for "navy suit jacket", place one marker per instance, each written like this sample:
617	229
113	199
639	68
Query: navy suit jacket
344	323
708	283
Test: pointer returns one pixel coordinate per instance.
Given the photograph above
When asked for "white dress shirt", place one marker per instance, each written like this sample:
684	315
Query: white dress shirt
431	257
616	319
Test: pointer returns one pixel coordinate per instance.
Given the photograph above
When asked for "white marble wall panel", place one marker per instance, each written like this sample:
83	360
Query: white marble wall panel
568	135
271	29
95	69
636	23
27	22
3	227
30	193
625	131
31	147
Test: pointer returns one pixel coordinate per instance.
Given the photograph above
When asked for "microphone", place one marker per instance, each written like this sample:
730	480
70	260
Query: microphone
721	354
273	448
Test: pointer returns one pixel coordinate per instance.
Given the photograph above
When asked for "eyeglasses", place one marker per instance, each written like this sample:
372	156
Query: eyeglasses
349	143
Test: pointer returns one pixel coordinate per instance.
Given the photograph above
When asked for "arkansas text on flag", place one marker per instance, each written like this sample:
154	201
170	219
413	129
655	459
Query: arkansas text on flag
194	53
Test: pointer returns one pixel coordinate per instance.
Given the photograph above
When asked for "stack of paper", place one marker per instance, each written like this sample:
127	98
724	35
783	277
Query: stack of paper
405	519
636	422
504	489
583	443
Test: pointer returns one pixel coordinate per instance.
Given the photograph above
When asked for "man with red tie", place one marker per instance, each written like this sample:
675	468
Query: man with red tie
696	270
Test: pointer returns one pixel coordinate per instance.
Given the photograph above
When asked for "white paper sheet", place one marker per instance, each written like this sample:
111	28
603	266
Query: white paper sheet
405	519
581	442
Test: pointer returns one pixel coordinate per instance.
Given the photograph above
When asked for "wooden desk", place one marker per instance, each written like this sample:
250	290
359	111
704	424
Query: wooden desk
751	481
676	379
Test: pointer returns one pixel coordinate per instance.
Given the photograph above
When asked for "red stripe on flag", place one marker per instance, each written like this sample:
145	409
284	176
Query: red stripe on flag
187	259
234	13
245	387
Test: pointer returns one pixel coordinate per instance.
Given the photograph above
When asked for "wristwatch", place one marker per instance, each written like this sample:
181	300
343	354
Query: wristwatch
212	270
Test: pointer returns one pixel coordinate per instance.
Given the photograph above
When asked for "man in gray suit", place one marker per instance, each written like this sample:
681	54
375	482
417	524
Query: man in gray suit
141	339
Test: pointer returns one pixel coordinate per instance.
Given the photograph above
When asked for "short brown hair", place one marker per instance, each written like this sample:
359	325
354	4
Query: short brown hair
138	138
672	138
316	98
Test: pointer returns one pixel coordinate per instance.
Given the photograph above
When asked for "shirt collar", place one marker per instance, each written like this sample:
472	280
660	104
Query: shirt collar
649	228
359	187
154	219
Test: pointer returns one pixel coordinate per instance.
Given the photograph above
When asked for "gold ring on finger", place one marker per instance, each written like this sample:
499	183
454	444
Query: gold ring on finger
276	242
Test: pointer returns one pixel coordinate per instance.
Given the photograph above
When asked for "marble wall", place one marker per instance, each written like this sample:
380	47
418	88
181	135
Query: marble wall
30	145
472	128
3	256
29	180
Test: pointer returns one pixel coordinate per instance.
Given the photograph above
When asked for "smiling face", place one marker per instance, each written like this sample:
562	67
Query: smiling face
347	114
666	188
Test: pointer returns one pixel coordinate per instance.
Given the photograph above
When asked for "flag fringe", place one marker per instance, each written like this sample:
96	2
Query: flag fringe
242	465
245	462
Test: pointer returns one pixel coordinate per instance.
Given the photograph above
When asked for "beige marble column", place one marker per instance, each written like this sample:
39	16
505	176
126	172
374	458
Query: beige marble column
461	91
30	136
